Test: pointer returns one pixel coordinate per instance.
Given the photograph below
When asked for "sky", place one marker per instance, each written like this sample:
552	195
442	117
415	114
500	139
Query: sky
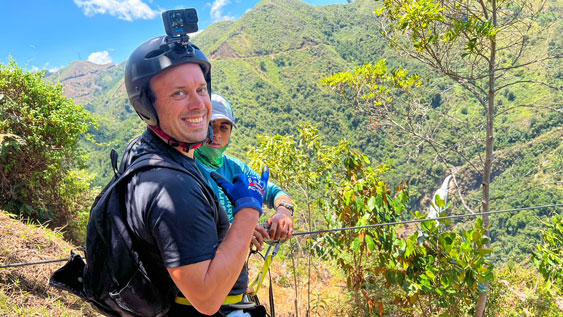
50	34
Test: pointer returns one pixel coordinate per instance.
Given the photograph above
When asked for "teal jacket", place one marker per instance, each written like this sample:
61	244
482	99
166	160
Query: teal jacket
231	167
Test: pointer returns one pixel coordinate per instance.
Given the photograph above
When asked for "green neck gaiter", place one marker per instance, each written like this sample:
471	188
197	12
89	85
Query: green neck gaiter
209	156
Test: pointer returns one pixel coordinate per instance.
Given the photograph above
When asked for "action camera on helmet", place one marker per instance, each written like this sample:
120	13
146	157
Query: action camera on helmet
179	23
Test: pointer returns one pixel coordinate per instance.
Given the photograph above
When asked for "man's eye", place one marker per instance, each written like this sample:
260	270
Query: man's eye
178	94
202	91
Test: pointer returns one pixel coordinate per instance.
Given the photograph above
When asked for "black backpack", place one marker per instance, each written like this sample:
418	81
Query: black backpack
114	279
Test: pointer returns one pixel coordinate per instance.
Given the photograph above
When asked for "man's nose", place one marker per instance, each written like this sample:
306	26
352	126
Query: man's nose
196	101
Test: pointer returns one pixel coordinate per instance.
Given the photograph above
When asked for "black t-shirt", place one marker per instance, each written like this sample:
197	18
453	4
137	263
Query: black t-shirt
176	215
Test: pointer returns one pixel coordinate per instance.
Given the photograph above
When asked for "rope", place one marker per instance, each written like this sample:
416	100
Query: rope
423	220
347	228
33	263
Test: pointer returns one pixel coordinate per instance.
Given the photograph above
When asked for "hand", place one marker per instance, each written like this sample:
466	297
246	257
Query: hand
260	233
246	191
281	224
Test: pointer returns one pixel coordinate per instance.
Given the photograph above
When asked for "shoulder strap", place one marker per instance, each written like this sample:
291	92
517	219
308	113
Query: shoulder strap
151	160
146	161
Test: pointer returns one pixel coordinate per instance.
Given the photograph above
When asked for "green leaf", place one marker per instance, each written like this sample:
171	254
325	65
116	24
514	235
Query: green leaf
356	245
439	201
348	197
476	236
370	243
489	276
479	223
371	203
440	291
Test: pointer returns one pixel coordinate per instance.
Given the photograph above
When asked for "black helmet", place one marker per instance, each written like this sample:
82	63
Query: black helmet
151	58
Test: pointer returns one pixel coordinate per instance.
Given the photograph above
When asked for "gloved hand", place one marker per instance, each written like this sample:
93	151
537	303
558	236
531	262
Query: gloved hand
246	191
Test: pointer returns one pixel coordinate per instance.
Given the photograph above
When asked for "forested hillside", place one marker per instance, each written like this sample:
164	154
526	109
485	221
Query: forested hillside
271	73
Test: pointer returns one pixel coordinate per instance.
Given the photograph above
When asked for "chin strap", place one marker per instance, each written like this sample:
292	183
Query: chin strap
186	147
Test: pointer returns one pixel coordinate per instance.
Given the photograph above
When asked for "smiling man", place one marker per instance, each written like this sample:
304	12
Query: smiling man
189	248
182	102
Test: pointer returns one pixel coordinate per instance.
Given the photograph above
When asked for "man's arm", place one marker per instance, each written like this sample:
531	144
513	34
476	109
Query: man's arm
281	223
206	284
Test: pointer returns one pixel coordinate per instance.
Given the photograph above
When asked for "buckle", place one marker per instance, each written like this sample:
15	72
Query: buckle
246	303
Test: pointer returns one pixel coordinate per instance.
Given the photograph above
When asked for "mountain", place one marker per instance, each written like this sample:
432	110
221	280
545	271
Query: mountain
80	80
269	64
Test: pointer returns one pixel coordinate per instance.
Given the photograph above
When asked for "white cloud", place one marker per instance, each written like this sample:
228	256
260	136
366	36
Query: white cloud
100	58
54	69
127	10
45	67
217	11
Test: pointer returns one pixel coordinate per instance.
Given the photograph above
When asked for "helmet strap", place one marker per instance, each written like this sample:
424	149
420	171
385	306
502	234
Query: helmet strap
186	147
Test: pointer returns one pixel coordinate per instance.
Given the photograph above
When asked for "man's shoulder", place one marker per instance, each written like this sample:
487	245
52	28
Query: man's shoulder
157	171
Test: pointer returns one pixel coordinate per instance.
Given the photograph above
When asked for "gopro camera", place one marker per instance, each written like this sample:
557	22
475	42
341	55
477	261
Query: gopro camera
179	23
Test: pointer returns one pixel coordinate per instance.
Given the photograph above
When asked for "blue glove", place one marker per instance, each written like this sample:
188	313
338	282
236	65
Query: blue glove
246	191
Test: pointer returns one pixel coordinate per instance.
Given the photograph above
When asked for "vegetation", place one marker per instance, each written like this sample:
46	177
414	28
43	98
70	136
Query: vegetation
305	163
465	41
24	290
518	290
430	270
549	257
42	175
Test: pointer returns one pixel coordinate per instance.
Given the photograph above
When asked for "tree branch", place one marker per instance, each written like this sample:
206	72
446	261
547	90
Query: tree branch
529	82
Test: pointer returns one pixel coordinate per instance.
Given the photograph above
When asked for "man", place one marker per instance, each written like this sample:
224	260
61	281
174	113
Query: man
176	216
210	158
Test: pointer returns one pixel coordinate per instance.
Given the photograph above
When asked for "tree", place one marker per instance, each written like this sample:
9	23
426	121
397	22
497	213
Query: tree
301	162
356	196
432	271
435	268
484	47
42	174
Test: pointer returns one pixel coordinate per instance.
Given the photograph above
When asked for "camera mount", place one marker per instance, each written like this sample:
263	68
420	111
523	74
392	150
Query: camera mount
178	23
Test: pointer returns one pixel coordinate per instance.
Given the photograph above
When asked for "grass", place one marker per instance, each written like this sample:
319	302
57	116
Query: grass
25	291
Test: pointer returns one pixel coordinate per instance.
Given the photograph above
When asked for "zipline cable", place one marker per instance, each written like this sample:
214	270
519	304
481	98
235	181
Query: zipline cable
33	263
423	220
346	228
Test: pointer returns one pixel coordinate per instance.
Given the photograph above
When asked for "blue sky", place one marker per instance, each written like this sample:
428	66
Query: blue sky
49	34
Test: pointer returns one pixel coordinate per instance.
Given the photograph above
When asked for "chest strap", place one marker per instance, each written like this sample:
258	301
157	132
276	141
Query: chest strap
231	299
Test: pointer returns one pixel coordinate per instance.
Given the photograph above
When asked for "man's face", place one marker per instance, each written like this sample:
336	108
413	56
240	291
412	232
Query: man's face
221	133
182	102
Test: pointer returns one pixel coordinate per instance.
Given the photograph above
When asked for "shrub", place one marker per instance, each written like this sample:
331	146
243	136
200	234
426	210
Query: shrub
41	175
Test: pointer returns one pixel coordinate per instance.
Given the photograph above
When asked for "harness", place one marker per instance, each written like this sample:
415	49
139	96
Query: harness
250	300
274	247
